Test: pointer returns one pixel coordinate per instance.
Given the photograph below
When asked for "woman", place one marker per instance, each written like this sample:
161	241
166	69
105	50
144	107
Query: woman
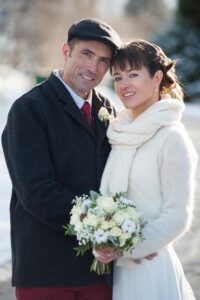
153	161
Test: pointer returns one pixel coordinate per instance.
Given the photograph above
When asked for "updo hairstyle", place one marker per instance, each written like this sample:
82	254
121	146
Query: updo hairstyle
140	53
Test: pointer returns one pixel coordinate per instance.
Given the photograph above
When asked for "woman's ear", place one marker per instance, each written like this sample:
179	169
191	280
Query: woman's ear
158	76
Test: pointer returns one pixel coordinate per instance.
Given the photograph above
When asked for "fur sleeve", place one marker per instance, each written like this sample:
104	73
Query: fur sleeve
177	162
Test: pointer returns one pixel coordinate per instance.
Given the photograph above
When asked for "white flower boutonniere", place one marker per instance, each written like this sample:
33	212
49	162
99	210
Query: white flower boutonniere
104	115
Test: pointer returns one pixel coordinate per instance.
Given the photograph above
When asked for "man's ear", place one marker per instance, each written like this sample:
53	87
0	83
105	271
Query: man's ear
65	50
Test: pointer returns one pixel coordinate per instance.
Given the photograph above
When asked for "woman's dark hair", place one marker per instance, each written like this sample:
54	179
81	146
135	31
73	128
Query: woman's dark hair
140	53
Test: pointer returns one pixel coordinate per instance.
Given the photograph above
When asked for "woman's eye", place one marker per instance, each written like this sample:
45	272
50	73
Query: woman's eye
132	75
117	79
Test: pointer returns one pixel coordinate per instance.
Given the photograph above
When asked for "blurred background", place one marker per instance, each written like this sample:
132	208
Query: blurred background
31	36
31	32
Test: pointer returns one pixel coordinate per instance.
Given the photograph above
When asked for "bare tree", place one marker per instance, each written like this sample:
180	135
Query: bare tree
156	7
17	32
32	31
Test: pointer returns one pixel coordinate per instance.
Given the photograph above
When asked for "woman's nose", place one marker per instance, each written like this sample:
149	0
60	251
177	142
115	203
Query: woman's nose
124	84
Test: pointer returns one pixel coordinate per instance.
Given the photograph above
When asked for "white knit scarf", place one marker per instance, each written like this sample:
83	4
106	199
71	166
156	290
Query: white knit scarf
127	135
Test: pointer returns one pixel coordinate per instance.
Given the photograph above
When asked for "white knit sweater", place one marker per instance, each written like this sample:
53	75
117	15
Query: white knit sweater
160	178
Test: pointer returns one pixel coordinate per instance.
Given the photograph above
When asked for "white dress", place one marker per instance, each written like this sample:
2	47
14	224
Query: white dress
161	184
159	279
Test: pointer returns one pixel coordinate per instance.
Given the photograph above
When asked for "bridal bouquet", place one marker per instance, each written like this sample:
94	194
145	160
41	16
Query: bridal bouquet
100	221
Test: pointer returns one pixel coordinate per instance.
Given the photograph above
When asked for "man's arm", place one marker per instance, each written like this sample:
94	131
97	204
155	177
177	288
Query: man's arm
28	157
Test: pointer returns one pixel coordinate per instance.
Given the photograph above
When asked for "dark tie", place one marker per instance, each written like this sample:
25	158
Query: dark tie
86	111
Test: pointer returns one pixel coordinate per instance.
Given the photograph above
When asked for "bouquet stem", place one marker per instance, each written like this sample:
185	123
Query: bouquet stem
99	267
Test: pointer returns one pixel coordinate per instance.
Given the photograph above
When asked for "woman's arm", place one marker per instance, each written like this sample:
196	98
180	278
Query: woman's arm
177	161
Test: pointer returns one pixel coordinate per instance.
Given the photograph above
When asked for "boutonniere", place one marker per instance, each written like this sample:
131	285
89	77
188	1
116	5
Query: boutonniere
104	115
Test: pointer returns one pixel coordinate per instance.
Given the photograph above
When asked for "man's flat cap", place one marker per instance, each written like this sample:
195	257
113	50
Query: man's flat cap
93	29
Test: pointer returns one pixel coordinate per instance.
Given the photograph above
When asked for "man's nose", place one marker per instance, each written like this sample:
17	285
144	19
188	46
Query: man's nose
93	66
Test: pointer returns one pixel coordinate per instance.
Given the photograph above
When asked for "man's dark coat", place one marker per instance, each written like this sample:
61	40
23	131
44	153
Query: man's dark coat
52	155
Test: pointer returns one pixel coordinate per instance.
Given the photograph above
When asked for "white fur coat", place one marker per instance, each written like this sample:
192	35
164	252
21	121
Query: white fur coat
153	160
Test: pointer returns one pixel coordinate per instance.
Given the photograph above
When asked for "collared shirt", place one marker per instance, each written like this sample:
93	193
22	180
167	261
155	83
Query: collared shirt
77	99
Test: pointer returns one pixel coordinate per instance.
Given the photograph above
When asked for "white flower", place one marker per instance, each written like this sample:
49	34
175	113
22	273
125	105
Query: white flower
132	213
100	236
105	225
90	220
115	232
104	114
77	210
118	218
128	226
74	219
109	220
107	204
123	238
78	227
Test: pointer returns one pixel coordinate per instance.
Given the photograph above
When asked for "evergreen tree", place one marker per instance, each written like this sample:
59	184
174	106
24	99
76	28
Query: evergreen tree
190	10
181	41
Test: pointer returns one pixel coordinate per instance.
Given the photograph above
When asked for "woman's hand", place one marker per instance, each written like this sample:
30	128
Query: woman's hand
106	255
148	257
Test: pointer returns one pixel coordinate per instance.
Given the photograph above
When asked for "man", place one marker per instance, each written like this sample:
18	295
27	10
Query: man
55	151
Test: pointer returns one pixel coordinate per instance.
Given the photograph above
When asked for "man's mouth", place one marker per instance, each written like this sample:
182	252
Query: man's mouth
87	77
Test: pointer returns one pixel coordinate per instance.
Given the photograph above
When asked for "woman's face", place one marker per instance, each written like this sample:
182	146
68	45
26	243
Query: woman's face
136	88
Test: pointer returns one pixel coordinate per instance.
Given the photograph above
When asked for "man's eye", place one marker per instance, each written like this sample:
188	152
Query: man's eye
87	54
105	62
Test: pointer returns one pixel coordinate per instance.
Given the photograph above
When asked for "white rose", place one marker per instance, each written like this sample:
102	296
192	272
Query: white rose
77	210
74	219
115	232
90	220
78	227
118	218
107	204
105	225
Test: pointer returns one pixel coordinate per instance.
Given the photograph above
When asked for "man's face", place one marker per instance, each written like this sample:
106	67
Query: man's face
85	65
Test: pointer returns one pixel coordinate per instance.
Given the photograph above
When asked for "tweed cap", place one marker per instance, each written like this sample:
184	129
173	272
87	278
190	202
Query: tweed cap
93	29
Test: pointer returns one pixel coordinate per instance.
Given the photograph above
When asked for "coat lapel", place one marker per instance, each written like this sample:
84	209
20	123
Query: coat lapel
69	105
71	108
100	126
